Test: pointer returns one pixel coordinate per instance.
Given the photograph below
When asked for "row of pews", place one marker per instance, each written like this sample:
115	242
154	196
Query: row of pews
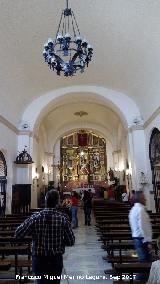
114	232
15	254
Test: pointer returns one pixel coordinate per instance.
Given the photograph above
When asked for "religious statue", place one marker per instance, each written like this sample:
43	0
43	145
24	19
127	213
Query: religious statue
111	175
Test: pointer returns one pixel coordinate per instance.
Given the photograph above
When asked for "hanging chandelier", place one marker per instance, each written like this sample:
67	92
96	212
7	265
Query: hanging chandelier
68	52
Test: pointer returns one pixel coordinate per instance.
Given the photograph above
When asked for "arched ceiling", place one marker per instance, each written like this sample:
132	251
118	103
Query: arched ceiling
125	35
68	116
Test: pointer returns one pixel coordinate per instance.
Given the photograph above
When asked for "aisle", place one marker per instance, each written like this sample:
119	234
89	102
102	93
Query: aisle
83	262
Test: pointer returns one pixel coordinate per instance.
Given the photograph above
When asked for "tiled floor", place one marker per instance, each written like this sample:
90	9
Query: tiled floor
83	263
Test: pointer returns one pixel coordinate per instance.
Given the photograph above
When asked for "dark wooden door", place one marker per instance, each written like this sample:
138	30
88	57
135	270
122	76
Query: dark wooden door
3	183
154	155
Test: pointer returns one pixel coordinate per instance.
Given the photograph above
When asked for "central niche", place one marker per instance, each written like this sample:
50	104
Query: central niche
83	158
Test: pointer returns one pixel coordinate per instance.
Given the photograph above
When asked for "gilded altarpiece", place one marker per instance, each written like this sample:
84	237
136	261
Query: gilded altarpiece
83	159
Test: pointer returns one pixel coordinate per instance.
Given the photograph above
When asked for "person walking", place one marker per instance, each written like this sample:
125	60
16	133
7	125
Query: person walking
51	232
87	206
74	209
141	229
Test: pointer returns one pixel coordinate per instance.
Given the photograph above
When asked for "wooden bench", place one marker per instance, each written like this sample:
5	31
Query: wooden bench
114	227
128	282
112	247
121	234
7	233
5	265
9	281
12	246
121	259
20	263
132	268
9	226
108	219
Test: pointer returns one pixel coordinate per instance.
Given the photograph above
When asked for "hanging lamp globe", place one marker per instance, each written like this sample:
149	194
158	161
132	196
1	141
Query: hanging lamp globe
68	52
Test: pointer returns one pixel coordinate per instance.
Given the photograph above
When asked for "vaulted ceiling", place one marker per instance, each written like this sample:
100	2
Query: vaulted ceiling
125	35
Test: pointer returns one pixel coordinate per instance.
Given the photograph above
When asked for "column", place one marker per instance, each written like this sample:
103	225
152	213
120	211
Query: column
138	161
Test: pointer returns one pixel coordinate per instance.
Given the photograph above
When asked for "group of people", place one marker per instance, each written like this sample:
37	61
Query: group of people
73	204
51	231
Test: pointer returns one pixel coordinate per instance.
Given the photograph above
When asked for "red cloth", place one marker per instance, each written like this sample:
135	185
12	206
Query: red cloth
111	193
74	201
82	139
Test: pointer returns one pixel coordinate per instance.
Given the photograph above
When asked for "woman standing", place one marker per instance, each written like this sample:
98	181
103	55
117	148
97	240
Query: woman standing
74	209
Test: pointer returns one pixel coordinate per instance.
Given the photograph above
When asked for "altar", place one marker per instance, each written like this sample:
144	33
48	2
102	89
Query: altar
81	189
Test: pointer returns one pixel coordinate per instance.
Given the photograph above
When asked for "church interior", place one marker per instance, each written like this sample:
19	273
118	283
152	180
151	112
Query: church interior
90	122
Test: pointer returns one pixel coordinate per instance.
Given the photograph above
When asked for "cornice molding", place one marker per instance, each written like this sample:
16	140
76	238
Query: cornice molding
135	127
9	125
22	132
152	117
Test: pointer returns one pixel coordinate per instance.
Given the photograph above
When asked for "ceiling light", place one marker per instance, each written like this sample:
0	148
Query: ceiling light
68	52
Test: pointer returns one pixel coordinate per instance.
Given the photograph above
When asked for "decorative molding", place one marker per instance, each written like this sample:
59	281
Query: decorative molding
13	128
135	127
29	133
152	117
9	125
81	113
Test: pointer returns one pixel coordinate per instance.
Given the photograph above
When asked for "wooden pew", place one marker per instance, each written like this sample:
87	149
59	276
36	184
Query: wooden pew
5	265
9	281
12	246
110	236
128	282
106	229
7	233
131	269
9	225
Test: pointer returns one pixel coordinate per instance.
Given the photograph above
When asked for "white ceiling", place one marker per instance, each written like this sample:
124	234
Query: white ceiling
97	117
125	35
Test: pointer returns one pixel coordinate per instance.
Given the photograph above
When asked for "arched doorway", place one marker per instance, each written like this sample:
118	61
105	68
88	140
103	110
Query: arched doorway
3	183
154	155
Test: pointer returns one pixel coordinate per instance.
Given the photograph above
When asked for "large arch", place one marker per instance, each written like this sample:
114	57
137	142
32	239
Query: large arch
69	128
117	101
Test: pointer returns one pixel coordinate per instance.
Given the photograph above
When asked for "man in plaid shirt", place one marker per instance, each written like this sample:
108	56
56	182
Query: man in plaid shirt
51	232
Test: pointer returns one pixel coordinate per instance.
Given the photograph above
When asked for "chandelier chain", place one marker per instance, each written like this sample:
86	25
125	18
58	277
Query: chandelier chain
59	24
74	32
76	23
67	3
